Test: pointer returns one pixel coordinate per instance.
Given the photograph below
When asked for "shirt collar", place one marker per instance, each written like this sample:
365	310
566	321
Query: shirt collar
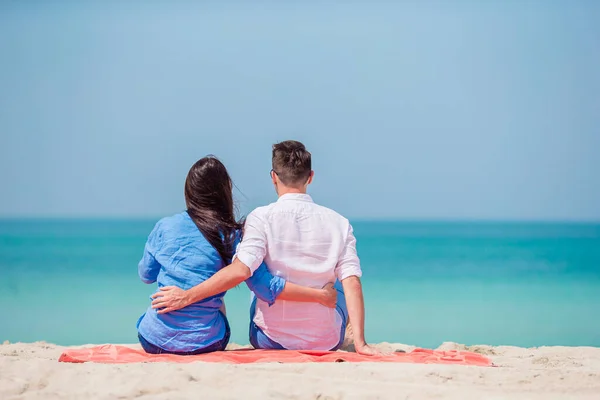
296	196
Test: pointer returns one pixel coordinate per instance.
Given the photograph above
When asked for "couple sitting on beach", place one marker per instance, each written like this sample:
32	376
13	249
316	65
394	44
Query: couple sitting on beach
298	258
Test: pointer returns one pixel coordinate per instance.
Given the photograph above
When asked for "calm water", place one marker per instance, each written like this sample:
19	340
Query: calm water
75	281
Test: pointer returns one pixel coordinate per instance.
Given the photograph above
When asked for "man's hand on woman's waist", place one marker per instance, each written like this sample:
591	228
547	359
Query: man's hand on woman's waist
170	298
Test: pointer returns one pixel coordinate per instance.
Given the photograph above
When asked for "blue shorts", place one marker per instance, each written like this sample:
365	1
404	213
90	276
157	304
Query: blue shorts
219	345
259	340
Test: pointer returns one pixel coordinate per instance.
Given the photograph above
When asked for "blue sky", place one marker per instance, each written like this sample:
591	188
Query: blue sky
453	110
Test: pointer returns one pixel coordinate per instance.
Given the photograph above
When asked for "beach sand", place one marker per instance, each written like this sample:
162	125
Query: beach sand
31	371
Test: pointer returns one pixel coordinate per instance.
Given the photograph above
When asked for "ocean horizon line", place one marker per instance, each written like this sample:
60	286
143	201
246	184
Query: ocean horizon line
403	220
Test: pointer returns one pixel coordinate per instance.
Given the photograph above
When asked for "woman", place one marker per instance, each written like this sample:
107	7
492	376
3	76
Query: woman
187	249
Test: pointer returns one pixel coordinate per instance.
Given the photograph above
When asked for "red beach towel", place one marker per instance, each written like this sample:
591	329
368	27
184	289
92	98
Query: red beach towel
113	354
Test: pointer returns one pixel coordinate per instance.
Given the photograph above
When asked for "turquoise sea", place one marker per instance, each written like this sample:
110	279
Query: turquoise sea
528	284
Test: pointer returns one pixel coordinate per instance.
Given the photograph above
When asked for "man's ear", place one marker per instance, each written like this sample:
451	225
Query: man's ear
310	178
274	178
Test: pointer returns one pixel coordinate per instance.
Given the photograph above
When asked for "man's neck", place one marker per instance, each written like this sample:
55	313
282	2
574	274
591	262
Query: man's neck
290	190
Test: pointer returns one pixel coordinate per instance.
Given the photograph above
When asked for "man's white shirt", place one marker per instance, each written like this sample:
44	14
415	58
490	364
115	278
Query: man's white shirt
306	244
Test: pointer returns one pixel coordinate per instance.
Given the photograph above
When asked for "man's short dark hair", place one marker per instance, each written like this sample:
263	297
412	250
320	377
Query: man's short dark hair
291	162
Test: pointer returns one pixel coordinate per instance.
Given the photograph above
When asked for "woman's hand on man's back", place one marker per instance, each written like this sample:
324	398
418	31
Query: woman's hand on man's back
329	296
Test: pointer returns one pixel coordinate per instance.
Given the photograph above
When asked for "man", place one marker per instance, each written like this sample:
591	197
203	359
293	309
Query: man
302	242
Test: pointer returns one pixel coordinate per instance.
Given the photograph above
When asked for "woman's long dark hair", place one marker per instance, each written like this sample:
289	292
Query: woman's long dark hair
209	201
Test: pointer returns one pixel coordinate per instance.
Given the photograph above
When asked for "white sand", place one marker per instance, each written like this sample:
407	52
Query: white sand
31	371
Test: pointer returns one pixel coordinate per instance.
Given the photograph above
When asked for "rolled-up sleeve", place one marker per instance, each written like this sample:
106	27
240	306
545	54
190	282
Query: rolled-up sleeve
348	264
264	285
148	267
253	248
